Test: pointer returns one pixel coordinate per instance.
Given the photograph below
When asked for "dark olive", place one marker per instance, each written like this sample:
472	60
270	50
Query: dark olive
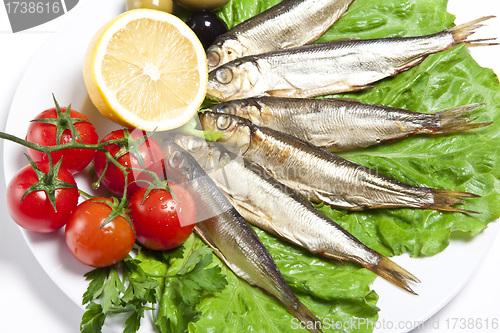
196	5
207	26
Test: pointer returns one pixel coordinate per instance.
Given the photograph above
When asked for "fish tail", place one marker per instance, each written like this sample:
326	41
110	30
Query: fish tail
310	321
457	119
445	199
296	307
392	272
462	32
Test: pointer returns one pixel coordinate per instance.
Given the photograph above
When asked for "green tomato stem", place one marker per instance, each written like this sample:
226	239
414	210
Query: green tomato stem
85	194
76	145
70	145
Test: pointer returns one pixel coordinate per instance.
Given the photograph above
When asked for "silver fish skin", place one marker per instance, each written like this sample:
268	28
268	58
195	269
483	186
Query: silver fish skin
321	176
338	125
330	67
229	235
276	208
287	24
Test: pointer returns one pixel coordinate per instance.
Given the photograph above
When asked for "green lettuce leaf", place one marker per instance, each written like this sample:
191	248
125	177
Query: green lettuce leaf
339	292
465	161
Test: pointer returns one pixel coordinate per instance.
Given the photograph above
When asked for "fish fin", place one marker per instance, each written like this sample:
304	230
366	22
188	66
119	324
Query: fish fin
408	65
461	32
445	199
457	119
285	92
345	99
297	93
347	39
393	273
362	87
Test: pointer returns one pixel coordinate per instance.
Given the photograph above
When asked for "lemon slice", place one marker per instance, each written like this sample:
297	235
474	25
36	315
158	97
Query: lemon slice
146	69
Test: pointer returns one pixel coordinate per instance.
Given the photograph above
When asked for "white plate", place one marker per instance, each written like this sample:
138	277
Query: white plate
58	69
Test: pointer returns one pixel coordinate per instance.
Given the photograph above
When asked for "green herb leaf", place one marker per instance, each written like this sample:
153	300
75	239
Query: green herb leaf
93	319
133	322
112	291
200	279
176	253
174	315
194	258
188	279
141	287
97	278
172	282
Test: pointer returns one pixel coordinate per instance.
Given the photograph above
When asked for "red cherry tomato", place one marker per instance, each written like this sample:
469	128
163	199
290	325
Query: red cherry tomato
132	155
92	244
35	212
74	160
161	222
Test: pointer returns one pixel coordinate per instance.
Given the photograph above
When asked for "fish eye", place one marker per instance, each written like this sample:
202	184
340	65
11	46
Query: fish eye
175	160
223	122
194	145
213	58
224	75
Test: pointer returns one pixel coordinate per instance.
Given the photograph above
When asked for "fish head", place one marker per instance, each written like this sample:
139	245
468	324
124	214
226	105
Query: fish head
224	82
182	168
246	108
231	107
192	144
210	155
237	131
195	146
179	166
224	50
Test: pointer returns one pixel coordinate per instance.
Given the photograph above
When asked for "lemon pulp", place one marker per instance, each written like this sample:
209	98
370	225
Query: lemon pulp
146	69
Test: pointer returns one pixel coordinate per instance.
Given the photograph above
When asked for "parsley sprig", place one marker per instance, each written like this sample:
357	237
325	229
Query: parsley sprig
170	284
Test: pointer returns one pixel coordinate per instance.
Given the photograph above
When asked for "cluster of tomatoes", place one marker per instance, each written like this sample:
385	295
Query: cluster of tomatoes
43	196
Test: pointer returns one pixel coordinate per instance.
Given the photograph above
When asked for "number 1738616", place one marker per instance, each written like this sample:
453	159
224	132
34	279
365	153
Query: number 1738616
32	7
472	323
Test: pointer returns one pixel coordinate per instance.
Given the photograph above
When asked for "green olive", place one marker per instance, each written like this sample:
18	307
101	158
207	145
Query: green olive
163	5
196	5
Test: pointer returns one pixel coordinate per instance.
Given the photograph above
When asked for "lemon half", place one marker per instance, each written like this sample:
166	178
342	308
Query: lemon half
146	69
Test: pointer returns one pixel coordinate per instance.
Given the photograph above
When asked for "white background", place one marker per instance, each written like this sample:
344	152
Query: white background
31	302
